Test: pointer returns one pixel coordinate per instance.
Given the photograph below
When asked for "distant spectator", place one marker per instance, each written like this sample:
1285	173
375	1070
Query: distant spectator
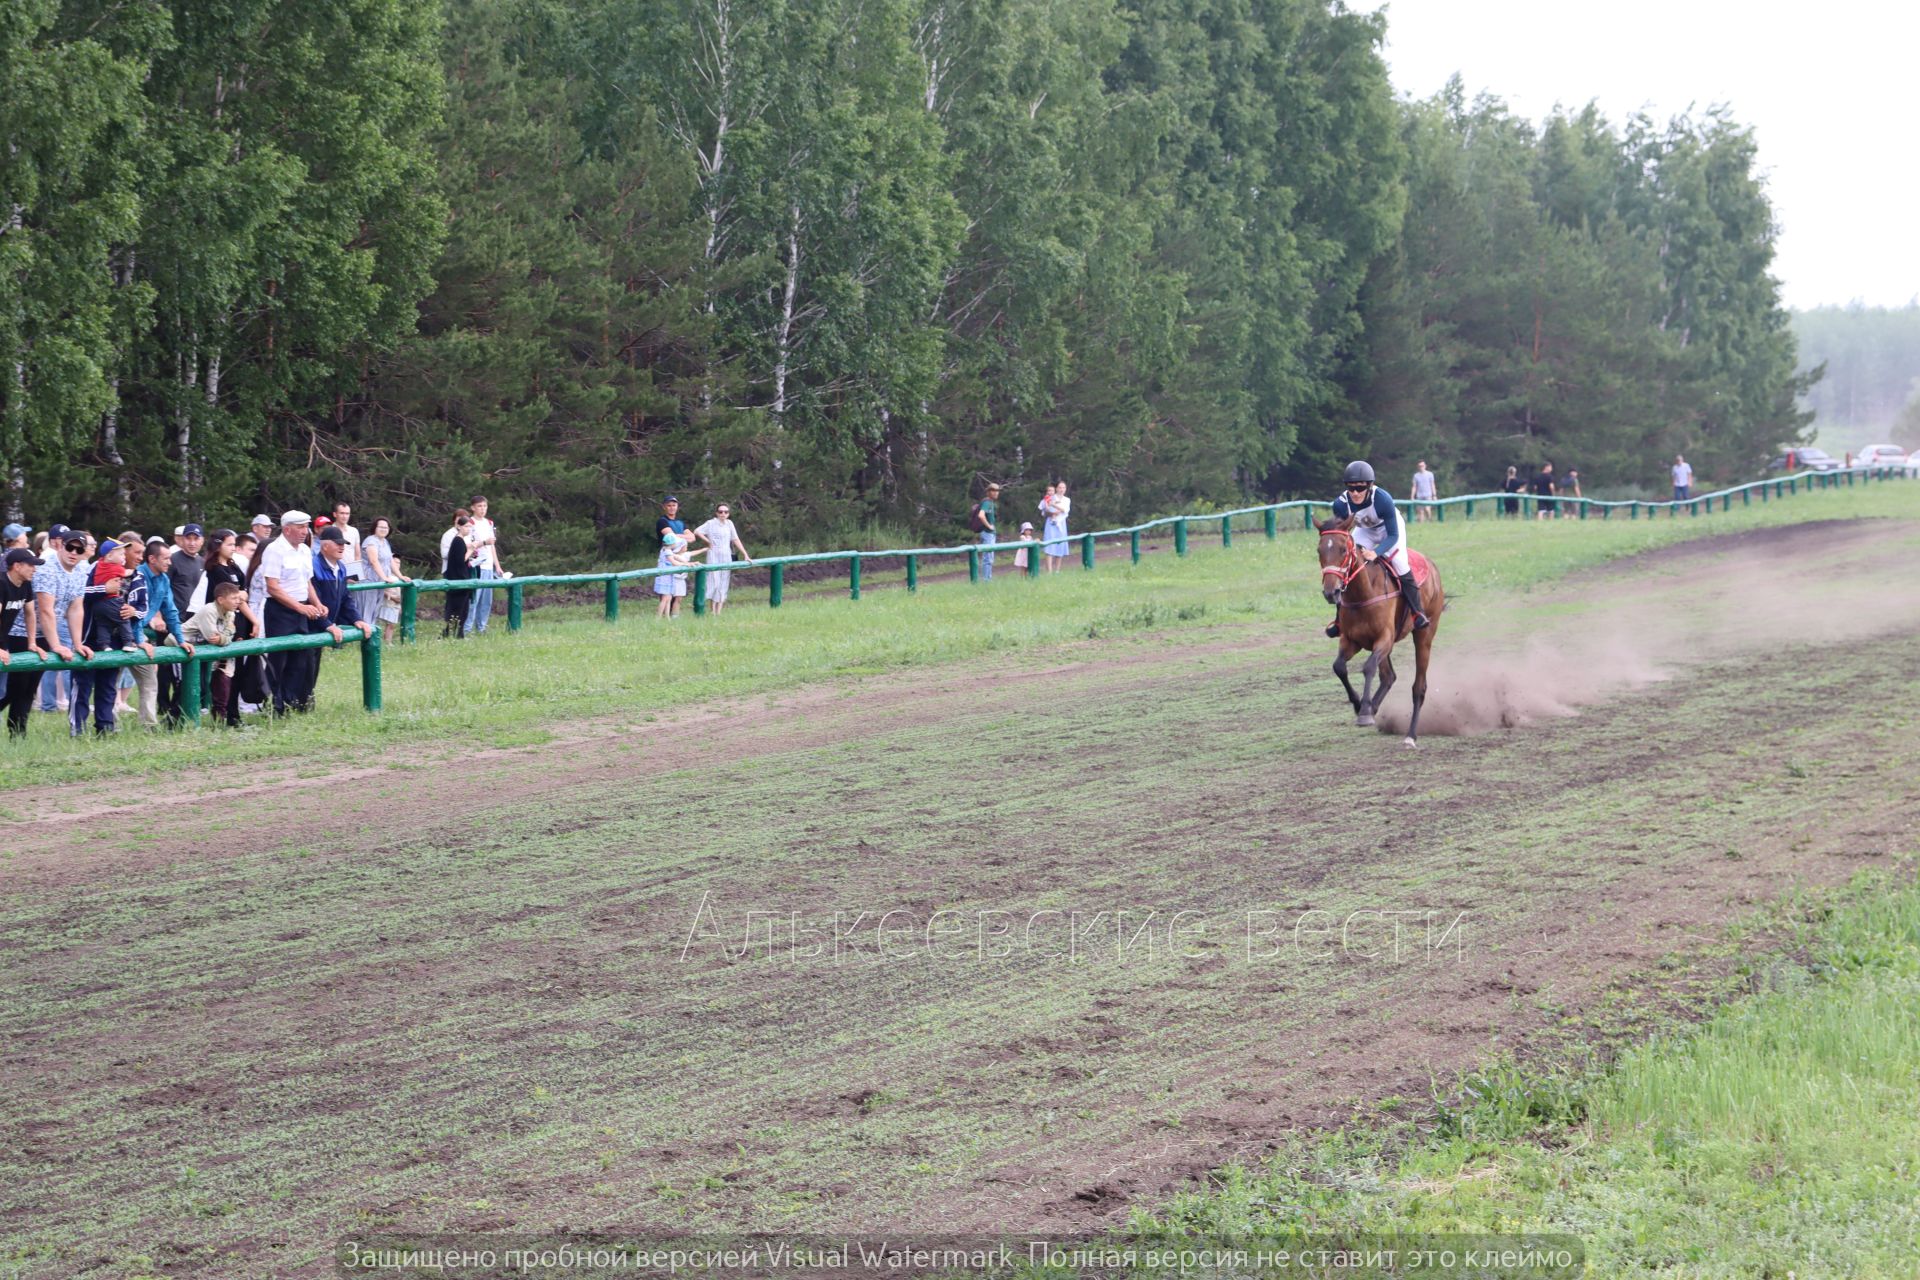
1056	507
1545	508
184	569
293	606
330	583
138	597
1423	490
243	551
216	622
378	565
456	565
1512	487
722	541
60	591
1682	479
485	544
20	632
343	521
675	584
262	529
14	537
675	552
986	514
1026	535
1570	487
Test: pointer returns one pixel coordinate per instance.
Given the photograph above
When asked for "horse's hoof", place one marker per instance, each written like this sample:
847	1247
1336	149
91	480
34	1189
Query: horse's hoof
1363	721
1411	743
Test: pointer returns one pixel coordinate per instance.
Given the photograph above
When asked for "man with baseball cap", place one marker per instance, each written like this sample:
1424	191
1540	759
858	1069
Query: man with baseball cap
19	633
14	537
292	606
184	572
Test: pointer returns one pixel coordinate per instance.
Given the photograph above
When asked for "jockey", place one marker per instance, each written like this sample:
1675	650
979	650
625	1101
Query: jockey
1378	533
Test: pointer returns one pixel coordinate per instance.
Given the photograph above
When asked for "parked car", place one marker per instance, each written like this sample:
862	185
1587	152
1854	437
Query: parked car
1881	455
1913	463
1804	460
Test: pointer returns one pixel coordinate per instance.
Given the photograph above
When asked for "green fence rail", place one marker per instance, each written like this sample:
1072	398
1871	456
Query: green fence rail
1466	504
195	668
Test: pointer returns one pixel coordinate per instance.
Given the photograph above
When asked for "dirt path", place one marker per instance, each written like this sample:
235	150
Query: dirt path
530	1007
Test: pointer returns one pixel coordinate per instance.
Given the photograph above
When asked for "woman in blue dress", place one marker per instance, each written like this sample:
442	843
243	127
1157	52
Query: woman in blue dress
1054	507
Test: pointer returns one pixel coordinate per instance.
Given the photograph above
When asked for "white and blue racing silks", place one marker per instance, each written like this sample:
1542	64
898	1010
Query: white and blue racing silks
1378	517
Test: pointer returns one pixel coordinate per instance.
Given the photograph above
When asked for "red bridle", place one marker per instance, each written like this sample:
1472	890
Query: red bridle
1348	569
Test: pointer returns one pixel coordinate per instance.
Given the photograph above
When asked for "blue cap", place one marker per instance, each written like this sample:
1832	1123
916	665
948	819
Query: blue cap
191	531
13	531
669	498
107	548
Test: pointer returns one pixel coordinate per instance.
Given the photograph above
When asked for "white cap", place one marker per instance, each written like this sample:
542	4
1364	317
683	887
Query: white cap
295	517
263	519
179	529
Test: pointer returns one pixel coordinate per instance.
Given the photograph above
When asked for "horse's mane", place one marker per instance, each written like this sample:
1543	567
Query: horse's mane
1330	525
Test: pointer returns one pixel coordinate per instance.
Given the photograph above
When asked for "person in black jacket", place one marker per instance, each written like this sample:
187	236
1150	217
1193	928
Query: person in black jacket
332	575
459	568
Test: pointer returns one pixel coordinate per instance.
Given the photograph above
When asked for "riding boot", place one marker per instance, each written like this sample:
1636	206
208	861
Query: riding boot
1333	628
1410	592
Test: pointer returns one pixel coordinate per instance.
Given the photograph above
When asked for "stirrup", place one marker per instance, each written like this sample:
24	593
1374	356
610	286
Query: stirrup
1420	621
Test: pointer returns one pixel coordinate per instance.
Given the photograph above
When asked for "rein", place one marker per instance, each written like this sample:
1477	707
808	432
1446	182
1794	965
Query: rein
1350	567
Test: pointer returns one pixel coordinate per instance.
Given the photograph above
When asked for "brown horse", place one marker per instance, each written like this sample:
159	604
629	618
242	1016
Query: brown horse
1373	617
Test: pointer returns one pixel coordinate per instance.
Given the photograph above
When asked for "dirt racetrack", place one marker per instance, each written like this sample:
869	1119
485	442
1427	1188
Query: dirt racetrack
1107	916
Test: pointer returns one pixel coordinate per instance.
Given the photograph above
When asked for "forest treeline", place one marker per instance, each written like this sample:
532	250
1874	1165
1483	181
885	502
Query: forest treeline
1870	393
837	262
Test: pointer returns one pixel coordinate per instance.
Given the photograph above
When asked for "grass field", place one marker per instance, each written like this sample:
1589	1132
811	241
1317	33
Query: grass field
526	956
1780	1138
568	663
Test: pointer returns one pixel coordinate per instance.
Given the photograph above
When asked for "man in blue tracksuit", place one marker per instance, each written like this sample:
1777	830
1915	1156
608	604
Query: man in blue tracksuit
1378	533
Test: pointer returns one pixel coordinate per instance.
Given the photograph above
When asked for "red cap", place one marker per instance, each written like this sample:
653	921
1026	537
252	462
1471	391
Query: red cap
106	571
321	522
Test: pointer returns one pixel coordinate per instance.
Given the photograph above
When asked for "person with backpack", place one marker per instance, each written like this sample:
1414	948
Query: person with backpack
981	520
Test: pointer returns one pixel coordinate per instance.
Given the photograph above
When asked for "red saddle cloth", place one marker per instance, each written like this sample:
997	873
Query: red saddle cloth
1422	568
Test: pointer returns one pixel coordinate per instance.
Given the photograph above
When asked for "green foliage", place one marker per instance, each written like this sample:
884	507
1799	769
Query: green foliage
1871	360
836	263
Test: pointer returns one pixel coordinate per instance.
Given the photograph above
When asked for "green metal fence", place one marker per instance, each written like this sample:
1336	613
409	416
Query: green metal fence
195	670
1271	521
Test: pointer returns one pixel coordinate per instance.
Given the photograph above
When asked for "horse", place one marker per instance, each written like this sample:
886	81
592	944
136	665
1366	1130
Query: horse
1373	618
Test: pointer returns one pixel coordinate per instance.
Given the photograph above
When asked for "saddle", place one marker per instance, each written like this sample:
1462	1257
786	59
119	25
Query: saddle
1422	568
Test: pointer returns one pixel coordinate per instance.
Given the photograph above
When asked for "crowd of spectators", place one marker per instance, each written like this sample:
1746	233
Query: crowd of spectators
68	595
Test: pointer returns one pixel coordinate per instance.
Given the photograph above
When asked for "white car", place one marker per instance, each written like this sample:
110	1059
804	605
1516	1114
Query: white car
1880	455
1913	463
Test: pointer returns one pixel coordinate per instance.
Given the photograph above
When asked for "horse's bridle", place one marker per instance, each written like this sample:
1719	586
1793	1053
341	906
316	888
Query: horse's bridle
1348	569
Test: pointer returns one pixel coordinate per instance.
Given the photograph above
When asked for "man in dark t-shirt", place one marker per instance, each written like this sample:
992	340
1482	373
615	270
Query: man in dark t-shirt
17	613
1543	490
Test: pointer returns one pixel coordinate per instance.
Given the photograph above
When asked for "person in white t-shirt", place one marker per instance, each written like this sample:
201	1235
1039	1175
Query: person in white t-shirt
292	605
722	541
484	543
342	515
1424	489
1682	478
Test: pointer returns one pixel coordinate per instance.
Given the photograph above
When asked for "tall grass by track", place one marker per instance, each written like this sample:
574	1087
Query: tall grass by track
503	689
1781	1138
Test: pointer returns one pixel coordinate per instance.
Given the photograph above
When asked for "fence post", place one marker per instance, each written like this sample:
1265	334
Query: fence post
613	599
1133	542
699	591
1440	512
409	611
973	564
853	576
913	573
189	690
1086	551
1583	507
1226	531
1033	561
776	585
370	671
513	606
1272	515
1469	508
1306	517
1633	512
1180	536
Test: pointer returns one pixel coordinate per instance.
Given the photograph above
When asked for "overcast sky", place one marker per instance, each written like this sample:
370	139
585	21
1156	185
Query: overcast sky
1828	89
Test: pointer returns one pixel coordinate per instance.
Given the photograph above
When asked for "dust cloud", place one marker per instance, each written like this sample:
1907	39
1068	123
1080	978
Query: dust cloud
1648	619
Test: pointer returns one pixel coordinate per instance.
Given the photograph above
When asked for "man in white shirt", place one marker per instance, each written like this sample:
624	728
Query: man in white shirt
1423	490
342	514
1682	478
485	541
286	567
